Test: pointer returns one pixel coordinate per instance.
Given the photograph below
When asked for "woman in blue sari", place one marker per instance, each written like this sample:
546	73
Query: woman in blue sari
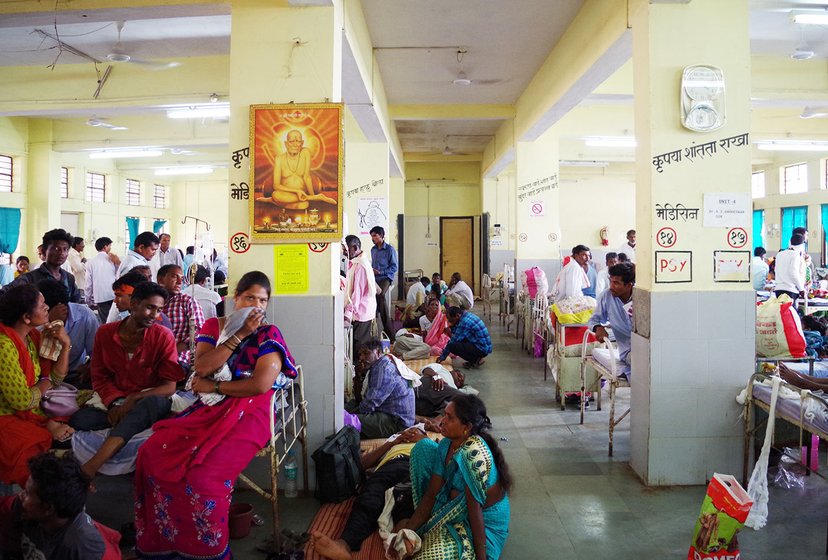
460	487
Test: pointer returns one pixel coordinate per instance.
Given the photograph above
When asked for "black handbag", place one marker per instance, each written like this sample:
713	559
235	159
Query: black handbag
338	466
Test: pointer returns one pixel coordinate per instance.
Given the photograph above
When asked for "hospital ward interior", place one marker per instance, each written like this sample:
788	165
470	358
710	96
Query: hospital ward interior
430	279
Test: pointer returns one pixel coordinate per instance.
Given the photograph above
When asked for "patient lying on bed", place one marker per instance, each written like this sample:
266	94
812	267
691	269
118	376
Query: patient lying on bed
802	380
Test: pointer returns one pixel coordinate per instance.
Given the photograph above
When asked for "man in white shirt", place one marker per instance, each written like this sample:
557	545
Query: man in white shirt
602	282
790	269
100	274
572	278
165	255
143	250
759	269
77	265
417	292
628	248
459	293
206	298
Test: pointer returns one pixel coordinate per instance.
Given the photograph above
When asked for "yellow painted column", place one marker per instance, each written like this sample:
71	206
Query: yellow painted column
280	54
536	221
693	345
43	200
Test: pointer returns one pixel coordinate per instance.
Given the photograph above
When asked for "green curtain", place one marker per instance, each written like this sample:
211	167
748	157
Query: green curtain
132	226
9	229
792	217
758	226
157	226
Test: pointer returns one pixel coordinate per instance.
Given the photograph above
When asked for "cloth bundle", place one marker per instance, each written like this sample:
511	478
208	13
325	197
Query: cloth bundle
574	309
535	282
50	347
231	326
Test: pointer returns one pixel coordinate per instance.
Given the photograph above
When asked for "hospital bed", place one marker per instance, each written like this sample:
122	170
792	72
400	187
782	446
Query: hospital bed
603	361
507	294
563	359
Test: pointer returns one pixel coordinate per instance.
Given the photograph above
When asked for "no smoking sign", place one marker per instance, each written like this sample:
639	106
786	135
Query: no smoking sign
536	209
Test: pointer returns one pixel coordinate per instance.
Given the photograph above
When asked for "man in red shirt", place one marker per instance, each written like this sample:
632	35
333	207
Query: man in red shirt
134	370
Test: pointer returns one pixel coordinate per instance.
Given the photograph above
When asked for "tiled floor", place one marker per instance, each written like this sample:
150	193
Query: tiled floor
570	500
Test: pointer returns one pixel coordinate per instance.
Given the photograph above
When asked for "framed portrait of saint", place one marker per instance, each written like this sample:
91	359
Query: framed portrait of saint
296	172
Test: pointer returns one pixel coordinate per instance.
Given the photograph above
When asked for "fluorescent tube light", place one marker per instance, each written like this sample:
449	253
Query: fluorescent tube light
112	154
214	110
815	19
610	141
191	170
582	163
792	146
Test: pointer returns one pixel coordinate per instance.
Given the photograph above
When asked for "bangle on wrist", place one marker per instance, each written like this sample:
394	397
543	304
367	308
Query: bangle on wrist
217	389
237	339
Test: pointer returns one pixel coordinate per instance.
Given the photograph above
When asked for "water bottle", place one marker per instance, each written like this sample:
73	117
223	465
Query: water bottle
291	468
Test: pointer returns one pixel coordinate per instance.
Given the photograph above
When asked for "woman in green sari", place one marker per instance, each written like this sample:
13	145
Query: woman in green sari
460	487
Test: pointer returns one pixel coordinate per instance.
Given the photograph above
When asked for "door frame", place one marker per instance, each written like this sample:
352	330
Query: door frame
471	245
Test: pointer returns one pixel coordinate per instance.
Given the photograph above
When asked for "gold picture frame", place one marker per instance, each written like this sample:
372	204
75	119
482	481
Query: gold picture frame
301	147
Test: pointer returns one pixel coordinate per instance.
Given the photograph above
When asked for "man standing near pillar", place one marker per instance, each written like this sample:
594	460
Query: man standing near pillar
360	295
100	274
614	309
77	265
165	255
384	260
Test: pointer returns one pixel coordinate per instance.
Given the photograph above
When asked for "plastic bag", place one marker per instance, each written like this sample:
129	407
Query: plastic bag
779	329
789	472
723	513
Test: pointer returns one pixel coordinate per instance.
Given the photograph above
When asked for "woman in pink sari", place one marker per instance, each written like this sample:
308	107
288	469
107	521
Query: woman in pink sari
186	469
433	325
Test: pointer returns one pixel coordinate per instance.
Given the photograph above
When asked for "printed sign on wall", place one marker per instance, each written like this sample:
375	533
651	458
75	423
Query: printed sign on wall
673	267
373	211
731	266
727	209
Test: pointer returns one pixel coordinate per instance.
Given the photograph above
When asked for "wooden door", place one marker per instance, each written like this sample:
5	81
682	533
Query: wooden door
457	249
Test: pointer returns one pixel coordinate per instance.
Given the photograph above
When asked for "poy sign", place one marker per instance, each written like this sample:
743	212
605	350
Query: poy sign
672	267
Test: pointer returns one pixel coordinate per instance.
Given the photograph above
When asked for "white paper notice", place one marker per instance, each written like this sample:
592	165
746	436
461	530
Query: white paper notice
727	209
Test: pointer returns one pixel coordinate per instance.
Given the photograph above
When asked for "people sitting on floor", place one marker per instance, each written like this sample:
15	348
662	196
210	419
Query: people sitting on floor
48	520
470	338
186	470
390	464
55	250
790	269
122	289
759	269
386	405
24	378
409	346
440	385
183	311
21	265
134	371
602	281
572	279
459	294
614	310
461	487
80	323
414	301
208	299
434	326
437	287
360	295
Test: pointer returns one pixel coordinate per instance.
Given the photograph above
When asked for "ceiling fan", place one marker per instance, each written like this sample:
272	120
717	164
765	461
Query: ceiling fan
103	123
119	54
463	80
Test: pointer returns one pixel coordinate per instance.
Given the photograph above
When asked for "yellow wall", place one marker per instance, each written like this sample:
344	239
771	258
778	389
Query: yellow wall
454	189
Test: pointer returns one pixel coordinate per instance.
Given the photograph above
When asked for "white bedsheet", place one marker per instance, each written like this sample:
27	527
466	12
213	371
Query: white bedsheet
605	358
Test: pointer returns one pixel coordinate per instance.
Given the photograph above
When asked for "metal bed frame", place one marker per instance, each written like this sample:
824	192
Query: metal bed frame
612	378
294	426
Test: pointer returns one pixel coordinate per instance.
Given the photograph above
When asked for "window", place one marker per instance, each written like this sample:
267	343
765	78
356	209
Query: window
95	187
792	217
758	227
159	196
795	178
5	174
64	182
757	184
133	192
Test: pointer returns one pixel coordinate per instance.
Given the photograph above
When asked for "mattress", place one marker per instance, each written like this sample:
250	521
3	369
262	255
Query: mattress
816	414
603	357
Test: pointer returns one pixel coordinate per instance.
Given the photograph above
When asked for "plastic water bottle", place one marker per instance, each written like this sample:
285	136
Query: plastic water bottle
291	468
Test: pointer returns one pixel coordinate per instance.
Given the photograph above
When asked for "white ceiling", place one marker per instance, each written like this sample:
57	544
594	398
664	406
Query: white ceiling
505	44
